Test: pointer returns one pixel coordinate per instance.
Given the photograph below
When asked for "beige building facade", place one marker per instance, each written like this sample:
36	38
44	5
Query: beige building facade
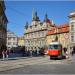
35	33
61	33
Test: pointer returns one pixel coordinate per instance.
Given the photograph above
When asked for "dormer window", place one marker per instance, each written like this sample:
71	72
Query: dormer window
26	26
41	24
36	25
31	27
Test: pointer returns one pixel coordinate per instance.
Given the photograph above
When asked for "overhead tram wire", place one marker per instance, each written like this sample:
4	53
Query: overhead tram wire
13	23
14	10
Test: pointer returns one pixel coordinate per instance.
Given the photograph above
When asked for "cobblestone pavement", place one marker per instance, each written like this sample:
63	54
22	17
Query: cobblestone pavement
22	62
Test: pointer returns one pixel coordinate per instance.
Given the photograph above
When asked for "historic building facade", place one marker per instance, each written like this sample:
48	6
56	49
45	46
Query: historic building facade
11	40
21	41
59	33
35	33
72	28
40	34
3	26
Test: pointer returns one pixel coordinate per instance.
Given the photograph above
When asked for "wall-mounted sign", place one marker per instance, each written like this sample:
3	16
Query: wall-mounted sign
66	36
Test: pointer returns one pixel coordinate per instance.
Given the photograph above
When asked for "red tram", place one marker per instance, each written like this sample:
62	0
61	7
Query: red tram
55	50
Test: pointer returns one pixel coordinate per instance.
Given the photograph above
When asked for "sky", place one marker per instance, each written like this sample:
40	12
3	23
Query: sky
19	12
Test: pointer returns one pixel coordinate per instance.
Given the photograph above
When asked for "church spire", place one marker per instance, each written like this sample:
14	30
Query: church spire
34	16
46	17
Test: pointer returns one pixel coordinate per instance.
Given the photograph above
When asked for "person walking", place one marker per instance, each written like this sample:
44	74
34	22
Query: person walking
30	53
67	55
3	54
7	54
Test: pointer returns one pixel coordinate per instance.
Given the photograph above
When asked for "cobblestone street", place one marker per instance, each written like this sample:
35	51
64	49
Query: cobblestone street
36	65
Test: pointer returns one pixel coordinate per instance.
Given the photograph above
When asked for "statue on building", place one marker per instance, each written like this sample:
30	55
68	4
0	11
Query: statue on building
26	26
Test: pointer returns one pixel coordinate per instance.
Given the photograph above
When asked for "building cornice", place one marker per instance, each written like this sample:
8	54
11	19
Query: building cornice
57	33
35	31
35	38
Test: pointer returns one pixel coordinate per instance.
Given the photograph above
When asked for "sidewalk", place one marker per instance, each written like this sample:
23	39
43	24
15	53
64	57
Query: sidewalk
12	63
71	60
14	58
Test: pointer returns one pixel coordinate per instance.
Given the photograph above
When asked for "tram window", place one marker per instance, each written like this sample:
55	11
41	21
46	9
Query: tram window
60	47
53	46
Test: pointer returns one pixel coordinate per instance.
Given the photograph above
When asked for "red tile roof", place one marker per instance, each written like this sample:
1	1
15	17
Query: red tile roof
64	28
48	21
61	29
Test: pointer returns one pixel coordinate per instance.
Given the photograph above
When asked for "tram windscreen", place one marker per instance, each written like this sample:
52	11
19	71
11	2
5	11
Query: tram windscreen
53	47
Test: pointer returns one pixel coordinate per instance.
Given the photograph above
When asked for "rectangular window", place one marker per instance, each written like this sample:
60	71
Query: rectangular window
72	27
9	38
14	43
14	38
38	34
42	34
27	35
33	35
9	43
72	38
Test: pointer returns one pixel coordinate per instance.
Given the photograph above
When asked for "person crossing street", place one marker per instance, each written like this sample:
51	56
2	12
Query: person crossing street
7	54
3	54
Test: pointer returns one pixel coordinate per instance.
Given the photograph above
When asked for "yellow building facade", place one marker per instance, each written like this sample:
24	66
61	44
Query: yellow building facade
61	32
21	41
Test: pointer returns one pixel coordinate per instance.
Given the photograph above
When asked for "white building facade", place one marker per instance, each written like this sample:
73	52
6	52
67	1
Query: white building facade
11	40
72	28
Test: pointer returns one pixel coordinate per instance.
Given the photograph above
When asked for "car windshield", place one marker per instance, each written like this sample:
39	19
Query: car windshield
53	46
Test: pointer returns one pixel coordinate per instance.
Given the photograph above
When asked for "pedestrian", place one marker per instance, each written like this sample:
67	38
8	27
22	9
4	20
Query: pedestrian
3	54
74	49
71	51
67	54
65	49
7	54
35	52
31	53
